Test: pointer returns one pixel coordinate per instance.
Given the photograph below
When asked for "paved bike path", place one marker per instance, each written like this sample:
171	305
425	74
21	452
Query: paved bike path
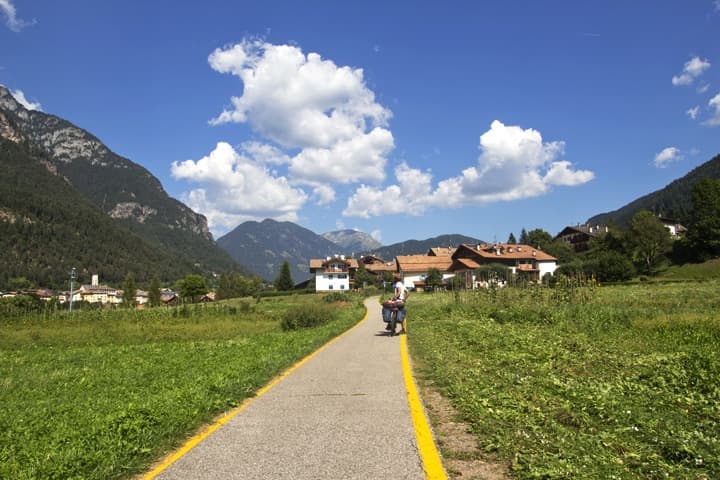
342	414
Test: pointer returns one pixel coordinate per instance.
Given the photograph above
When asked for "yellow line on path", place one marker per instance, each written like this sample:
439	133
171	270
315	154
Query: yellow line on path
432	465
206	432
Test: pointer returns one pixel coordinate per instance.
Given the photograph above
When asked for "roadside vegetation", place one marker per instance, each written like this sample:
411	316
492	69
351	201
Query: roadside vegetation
581	380
100	394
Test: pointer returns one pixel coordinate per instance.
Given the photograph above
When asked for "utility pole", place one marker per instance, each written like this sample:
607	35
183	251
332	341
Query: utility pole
73	276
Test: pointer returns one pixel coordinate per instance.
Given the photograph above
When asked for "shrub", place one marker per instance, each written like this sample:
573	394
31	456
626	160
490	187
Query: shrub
307	316
336	297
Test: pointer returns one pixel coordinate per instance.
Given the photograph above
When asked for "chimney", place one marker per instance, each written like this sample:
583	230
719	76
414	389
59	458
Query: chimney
95	281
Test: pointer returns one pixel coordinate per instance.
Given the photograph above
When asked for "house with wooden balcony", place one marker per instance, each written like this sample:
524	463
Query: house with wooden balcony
524	260
332	274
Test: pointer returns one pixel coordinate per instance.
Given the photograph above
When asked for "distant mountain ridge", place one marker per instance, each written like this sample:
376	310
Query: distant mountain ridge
352	241
417	247
673	201
264	246
119	188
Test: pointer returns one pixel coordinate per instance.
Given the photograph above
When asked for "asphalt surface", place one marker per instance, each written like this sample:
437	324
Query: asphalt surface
344	414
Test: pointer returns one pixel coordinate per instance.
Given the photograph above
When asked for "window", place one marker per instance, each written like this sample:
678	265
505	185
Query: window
342	287
342	275
330	287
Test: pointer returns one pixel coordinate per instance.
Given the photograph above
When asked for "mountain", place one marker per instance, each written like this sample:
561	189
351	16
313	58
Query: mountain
352	240
417	247
674	201
125	192
47	227
263	247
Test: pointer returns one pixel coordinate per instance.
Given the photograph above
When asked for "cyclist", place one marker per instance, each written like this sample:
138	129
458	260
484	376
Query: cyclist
401	295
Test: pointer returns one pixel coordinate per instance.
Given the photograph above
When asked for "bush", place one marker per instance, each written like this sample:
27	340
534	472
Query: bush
20	305
336	297
307	316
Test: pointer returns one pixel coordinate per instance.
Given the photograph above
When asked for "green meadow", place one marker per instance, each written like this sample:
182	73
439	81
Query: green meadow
102	394
581	381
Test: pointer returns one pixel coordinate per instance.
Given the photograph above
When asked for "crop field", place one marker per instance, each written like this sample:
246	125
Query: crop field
581	381
102	394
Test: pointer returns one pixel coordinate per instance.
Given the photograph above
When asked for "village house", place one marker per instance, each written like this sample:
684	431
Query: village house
579	236
336	273
531	262
96	293
413	269
378	266
676	228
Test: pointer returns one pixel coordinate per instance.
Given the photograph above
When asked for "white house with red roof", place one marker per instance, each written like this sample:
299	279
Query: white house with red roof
333	274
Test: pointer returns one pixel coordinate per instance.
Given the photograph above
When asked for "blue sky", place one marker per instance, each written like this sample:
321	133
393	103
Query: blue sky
405	120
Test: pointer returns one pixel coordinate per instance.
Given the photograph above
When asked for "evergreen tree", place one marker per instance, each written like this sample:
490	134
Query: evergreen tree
154	294
704	231
284	281
524	237
129	291
511	239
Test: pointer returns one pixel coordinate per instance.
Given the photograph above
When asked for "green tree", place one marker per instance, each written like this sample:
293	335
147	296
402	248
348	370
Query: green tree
492	273
561	250
19	283
192	287
704	230
650	239
129	288
284	280
363	278
609	266
154	294
523	237
433	278
614	240
539	238
511	239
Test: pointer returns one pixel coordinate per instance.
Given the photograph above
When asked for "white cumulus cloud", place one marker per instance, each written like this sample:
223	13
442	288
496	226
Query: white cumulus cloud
667	156
714	104
692	69
236	188
297	100
11	19
323	194
514	163
22	99
693	112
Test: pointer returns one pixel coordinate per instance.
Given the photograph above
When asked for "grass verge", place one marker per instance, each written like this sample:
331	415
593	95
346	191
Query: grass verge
624	383
101	395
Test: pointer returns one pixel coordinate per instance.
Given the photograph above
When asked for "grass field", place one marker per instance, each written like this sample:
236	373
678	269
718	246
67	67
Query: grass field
618	382
102	394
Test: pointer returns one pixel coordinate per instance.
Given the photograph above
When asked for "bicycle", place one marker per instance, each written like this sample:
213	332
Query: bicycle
394	312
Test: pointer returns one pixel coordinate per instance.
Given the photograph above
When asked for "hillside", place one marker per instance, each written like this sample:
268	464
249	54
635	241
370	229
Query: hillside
124	191
415	247
47	228
263	247
673	201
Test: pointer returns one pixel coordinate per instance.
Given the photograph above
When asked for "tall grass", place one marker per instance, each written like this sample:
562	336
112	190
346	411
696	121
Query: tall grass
101	394
621	383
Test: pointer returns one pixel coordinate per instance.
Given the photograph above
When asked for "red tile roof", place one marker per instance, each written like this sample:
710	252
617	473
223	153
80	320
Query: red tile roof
423	263
507	251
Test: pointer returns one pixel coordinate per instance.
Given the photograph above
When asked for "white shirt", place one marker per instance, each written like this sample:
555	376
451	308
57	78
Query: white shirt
401	287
